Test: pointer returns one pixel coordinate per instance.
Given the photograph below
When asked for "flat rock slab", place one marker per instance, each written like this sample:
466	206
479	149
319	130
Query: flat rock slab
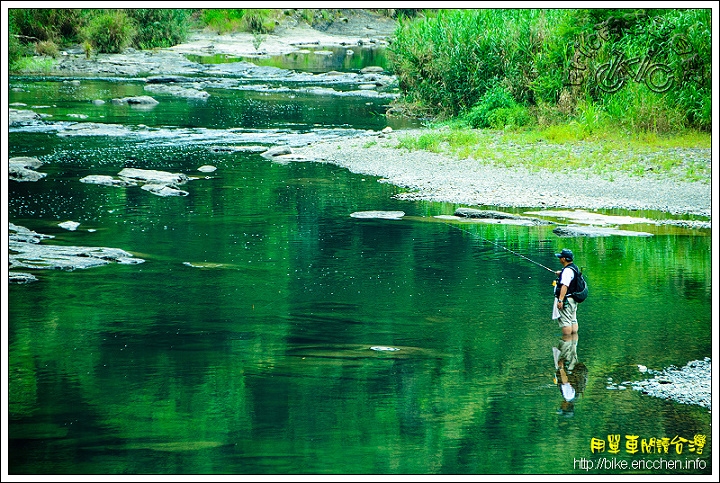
498	215
595	231
23	169
237	149
21	277
135	101
20	117
153	176
384	215
26	251
583	216
106	181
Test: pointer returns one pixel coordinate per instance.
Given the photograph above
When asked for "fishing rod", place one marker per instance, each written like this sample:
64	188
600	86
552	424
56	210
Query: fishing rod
500	246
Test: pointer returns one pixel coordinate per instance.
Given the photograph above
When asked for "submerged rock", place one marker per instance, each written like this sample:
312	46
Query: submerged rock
135	100
21	169
163	190
175	90
384	215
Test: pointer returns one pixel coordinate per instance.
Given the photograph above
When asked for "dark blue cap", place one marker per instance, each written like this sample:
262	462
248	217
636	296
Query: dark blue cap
566	254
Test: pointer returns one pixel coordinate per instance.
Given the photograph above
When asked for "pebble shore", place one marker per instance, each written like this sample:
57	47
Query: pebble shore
439	177
687	385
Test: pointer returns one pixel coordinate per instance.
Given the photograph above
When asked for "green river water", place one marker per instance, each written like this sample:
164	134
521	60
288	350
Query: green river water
242	345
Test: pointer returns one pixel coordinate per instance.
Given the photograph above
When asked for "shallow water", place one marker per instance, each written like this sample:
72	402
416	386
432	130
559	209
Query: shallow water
243	343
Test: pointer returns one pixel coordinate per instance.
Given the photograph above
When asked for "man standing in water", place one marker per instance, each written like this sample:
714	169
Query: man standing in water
564	288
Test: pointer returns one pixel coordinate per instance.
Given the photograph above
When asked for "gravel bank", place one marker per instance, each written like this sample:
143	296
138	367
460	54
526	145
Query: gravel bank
438	177
688	385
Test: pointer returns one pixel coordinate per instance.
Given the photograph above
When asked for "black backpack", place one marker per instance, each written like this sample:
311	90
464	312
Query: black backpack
581	288
578	287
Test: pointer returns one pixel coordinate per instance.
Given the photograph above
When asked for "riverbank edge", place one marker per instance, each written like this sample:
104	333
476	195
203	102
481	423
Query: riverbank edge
441	177
427	175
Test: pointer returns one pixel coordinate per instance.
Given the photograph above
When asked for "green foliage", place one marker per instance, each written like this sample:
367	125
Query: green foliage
255	20
486	112
33	65
160	27
110	32
260	20
648	69
40	24
223	20
47	48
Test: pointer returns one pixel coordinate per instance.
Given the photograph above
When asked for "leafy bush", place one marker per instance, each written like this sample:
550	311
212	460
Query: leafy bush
222	20
110	32
516	116
41	24
160	27
496	107
260	20
48	48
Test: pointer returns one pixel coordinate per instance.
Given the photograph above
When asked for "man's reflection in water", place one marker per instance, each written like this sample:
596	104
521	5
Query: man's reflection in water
570	374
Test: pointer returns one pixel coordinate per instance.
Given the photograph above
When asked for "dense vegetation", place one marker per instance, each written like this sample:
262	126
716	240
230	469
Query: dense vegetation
640	69
591	70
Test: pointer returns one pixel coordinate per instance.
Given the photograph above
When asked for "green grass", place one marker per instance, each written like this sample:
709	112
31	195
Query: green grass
606	152
32	65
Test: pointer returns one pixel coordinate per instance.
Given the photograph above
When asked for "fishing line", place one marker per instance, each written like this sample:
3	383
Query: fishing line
500	246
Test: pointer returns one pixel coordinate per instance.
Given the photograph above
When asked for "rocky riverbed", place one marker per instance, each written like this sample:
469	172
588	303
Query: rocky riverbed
686	385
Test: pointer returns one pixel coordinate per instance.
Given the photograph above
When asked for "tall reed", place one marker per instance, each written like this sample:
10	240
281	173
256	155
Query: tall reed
654	62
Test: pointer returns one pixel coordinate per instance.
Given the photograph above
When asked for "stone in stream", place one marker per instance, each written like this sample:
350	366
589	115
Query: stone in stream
26	251
384	215
106	180
163	190
594	231
153	176
135	101
69	225
498	215
22	169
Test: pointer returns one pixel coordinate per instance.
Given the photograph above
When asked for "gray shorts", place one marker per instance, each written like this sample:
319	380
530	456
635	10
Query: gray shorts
568	314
